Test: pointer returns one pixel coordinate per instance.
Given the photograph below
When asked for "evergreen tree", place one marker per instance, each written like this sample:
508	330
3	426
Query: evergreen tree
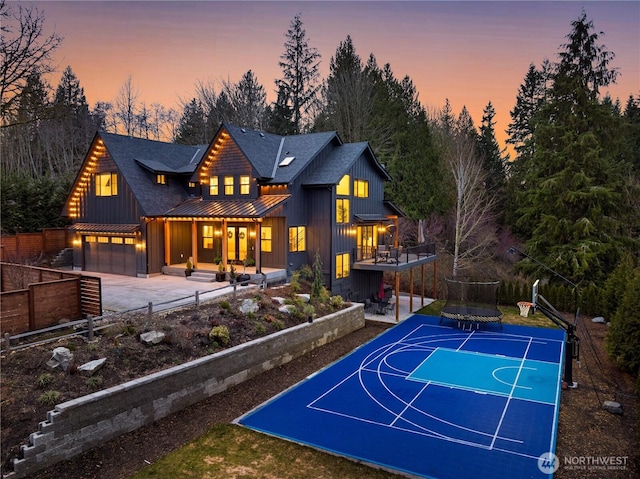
631	152
280	115
574	191
300	65
493	157
192	127
347	95
623	337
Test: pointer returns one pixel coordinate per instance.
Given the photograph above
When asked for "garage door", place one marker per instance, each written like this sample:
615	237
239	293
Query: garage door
110	254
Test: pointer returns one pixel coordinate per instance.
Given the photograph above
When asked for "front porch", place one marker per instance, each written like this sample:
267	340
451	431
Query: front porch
206	272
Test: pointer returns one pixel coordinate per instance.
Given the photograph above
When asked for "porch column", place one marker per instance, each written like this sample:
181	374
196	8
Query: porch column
194	242
167	243
397	297
411	290
225	241
258	252
422	284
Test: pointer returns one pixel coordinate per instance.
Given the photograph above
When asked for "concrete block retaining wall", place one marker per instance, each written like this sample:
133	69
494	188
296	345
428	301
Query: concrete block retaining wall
78	425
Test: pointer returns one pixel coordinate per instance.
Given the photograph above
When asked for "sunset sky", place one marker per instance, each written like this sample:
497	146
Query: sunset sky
469	52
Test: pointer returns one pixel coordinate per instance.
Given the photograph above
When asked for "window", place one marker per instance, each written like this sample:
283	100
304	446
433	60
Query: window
90	239
244	184
129	241
192	184
361	188
106	184
342	265
342	210
207	236
228	185
297	238
161	179
117	240
343	187
265	239
213	186
103	239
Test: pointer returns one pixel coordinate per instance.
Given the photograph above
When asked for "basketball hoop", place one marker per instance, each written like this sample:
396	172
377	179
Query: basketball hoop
524	308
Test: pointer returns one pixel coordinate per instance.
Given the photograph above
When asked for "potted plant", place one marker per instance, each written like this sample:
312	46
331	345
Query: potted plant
190	268
221	274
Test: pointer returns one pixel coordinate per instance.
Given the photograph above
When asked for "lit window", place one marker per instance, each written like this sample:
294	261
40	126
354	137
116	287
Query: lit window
207	236
117	240
106	184
342	265
129	241
265	239
343	187
361	188
161	179
244	184
90	239
103	239
192	184
297	238
342	210
228	185
213	186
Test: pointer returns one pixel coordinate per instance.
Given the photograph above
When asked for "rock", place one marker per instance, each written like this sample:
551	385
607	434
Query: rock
612	406
92	366
152	337
278	299
304	297
598	319
61	359
287	309
249	306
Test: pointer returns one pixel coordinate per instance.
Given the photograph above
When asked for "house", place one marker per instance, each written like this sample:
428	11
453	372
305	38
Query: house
142	207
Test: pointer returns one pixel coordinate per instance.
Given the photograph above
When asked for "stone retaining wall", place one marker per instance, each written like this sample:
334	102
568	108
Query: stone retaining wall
78	425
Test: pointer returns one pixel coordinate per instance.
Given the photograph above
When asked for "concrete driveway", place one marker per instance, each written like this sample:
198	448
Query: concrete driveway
124	293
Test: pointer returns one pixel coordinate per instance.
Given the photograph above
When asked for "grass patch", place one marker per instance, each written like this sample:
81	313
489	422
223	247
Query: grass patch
510	315
232	451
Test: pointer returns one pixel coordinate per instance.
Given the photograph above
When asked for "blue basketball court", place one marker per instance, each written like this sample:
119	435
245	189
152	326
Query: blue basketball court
433	401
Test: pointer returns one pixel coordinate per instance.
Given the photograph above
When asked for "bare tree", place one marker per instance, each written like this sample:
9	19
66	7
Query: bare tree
24	50
475	233
126	109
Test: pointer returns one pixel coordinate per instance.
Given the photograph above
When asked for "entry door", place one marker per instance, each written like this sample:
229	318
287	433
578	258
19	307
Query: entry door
366	241
237	243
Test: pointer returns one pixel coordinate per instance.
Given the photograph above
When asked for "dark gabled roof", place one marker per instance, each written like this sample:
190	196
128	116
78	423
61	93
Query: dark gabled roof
199	208
331	171
135	155
265	151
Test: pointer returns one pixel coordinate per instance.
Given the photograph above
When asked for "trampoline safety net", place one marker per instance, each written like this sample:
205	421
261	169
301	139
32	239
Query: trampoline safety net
473	301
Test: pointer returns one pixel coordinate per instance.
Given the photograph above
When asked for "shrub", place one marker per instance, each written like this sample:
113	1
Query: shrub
623	337
49	398
306	272
295	282
94	382
309	310
44	380
225	305
260	328
220	334
336	301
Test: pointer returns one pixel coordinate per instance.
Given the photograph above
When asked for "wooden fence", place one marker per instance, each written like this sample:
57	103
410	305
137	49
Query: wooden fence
34	298
29	245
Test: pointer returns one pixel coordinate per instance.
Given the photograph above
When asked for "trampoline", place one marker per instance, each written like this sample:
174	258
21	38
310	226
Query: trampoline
432	401
471	302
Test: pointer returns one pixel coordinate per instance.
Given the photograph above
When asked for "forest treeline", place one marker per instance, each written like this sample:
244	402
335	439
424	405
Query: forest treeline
569	196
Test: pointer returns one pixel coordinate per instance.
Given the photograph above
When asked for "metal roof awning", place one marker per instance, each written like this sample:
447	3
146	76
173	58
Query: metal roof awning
96	228
371	218
256	208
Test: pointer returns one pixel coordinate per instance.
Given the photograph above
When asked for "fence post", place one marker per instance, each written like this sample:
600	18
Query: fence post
7	342
90	327
150	312
197	299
